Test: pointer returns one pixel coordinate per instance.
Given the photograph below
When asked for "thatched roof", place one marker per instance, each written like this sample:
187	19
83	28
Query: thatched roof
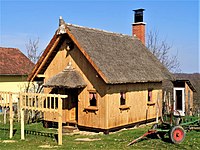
120	58
117	58
68	78
181	78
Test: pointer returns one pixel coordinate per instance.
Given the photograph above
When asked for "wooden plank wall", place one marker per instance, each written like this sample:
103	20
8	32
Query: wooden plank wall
94	83
188	99
136	103
89	116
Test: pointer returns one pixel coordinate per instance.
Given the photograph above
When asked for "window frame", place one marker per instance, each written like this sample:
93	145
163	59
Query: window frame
93	98
150	95
122	98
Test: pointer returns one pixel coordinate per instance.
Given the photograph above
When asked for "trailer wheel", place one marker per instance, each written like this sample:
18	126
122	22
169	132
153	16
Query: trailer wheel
177	134
159	135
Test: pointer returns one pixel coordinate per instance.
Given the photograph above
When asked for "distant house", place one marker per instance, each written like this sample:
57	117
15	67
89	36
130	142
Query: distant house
194	81
181	94
112	80
14	69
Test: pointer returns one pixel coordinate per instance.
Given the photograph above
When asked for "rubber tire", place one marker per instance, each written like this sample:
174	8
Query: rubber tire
159	135
177	134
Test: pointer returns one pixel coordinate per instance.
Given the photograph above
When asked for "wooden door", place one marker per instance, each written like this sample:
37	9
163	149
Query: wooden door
73	104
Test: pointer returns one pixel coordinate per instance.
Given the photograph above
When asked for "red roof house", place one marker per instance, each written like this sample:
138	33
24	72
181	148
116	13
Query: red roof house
14	69
14	62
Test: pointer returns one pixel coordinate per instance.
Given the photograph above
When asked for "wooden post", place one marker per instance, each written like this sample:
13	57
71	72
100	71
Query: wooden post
5	107
22	124
46	101
59	120
106	106
18	107
157	107
22	116
169	100
4	114
54	102
50	99
11	114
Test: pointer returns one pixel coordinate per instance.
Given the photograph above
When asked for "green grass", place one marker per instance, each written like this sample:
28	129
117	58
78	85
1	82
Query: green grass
118	140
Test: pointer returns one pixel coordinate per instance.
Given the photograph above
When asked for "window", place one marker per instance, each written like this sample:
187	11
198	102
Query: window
150	95
122	98
93	98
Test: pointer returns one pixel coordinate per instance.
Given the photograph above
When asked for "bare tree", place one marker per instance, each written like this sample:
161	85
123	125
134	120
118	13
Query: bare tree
32	50
33	55
161	49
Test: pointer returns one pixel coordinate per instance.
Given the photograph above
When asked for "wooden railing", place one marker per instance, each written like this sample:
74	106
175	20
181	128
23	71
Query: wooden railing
35	102
6	97
43	103
6	100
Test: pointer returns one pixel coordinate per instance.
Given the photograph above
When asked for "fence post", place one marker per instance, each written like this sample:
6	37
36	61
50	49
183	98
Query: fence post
59	120
4	114
5	107
18	108
11	114
22	116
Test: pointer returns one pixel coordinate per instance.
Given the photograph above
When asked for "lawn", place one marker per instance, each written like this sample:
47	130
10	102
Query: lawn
117	140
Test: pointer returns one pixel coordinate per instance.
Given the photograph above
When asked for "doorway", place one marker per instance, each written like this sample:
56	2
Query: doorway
71	105
179	101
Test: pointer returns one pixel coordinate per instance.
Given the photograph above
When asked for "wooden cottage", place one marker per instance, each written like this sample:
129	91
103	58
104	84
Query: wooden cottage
112	80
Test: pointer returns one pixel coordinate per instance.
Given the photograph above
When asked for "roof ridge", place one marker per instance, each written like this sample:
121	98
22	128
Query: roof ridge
101	30
9	47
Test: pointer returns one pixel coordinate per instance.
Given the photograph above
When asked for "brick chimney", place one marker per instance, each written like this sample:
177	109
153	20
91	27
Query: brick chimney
138	27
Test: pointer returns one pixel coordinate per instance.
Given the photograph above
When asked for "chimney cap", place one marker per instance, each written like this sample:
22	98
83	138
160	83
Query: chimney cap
139	10
138	17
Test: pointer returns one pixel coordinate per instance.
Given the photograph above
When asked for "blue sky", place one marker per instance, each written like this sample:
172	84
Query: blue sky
176	21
